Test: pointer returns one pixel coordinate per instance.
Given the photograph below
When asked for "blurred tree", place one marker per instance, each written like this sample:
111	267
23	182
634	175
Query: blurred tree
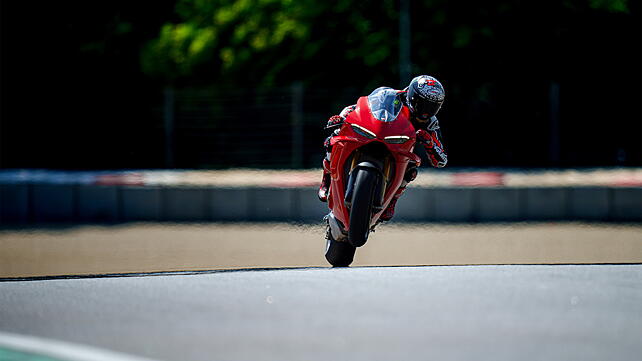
272	41
610	5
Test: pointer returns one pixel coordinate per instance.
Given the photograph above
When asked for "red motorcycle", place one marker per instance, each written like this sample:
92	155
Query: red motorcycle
369	160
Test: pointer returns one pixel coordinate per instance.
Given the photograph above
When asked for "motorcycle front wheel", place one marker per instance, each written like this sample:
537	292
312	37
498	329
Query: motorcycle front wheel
361	210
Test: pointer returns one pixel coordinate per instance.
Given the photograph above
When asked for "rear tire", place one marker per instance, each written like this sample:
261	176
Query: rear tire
339	254
361	211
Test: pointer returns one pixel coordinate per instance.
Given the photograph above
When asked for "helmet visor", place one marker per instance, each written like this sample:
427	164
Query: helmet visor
426	109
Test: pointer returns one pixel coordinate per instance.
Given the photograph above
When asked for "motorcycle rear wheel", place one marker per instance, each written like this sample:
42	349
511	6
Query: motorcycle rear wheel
361	210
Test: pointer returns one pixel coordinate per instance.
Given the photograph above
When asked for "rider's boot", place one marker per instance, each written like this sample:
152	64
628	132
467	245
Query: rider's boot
389	212
325	181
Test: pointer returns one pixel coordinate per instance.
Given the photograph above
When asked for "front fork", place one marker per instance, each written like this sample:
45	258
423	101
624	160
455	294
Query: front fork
336	229
385	170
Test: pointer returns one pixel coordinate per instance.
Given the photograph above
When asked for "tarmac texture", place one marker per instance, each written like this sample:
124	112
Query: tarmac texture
529	312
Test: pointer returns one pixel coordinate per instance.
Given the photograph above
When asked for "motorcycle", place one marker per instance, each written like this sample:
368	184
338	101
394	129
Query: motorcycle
370	158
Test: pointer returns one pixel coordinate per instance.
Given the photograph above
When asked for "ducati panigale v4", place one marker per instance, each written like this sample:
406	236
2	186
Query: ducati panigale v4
369	159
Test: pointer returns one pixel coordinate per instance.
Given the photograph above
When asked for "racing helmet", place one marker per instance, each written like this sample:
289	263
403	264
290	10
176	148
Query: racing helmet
424	97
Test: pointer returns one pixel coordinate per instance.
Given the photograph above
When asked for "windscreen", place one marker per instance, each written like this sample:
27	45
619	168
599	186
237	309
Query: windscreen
384	104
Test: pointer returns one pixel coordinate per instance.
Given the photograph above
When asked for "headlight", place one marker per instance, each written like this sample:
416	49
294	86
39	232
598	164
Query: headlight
396	139
363	131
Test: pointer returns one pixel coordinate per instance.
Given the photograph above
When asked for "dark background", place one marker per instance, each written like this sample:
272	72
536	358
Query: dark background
85	86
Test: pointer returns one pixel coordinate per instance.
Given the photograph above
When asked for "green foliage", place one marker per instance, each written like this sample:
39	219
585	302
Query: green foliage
222	33
278	41
462	37
178	50
227	36
615	6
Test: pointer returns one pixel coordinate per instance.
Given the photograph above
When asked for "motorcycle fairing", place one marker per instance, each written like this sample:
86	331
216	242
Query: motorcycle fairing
348	141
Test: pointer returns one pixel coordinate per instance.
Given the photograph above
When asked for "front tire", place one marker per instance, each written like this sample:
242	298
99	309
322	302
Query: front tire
361	210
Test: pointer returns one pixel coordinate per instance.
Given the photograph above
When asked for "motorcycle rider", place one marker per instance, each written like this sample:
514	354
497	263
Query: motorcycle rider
423	97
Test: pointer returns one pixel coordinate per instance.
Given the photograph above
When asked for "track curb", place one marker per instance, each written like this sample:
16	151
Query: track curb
31	346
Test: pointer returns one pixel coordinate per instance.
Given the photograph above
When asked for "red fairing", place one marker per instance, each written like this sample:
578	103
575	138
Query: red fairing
348	140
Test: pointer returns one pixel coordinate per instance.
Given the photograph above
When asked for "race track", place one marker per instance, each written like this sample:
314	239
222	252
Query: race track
536	312
264	291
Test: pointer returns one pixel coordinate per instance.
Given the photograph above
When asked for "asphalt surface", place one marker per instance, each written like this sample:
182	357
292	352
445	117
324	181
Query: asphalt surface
541	312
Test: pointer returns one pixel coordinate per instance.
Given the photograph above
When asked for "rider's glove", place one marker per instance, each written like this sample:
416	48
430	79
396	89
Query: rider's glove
337	120
334	121
434	149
